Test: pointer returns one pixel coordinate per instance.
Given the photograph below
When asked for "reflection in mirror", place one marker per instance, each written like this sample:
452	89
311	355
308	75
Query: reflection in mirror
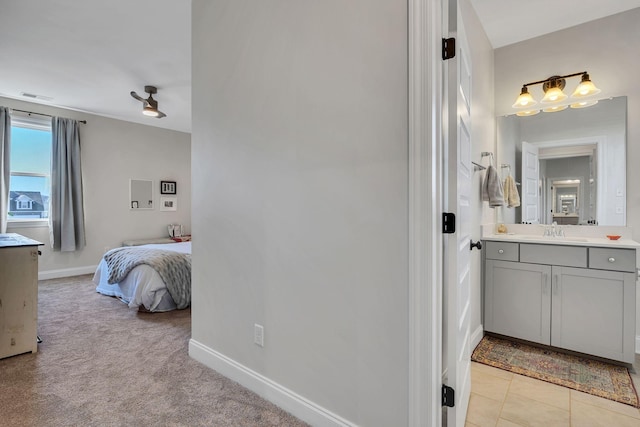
575	164
140	194
564	206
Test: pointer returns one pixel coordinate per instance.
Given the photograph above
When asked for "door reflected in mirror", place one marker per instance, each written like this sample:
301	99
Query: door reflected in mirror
140	194
585	145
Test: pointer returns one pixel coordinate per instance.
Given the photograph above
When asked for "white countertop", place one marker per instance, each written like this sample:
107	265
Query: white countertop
569	241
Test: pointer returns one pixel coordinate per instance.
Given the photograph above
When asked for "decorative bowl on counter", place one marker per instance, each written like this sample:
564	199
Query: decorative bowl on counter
613	237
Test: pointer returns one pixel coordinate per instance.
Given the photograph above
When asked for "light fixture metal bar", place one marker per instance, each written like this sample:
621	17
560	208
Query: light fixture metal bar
555	78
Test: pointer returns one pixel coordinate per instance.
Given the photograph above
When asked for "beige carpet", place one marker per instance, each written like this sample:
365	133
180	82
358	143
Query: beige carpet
612	382
103	364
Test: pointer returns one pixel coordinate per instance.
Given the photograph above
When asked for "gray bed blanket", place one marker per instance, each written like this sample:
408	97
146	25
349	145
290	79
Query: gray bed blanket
174	269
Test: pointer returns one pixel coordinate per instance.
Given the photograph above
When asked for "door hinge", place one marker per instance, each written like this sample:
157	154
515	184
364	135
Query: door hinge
448	48
448	222
448	396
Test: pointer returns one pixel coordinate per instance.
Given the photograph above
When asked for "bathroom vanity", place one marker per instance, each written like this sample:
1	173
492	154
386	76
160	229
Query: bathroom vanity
574	293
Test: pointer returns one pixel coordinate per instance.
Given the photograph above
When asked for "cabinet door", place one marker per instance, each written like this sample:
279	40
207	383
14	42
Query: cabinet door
18	300
593	312
518	300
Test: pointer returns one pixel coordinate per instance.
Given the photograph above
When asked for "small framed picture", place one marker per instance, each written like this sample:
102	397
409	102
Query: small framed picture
168	187
168	203
134	204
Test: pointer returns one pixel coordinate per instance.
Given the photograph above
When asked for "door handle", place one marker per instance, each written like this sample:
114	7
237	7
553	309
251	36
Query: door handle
477	245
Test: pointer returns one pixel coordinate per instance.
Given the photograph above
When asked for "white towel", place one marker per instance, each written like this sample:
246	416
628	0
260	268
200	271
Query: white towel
511	196
492	188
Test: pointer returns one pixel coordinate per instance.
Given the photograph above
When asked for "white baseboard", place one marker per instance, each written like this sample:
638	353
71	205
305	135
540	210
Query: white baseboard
476	336
281	396
66	272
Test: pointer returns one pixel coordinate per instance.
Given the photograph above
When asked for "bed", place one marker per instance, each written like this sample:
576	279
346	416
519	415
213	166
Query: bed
142	286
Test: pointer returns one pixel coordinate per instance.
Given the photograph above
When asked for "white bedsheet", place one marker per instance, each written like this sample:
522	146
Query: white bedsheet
143	285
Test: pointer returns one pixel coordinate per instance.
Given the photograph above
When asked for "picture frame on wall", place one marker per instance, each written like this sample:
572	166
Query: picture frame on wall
168	204
168	187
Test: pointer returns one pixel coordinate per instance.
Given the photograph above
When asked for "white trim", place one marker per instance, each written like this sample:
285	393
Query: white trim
425	208
476	337
25	120
27	223
266	388
637	344
66	272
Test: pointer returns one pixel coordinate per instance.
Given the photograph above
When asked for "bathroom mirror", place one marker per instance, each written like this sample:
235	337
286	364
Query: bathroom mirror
586	146
140	194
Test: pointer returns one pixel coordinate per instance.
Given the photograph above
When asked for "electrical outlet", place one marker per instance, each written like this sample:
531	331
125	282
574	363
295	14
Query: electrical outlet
258	334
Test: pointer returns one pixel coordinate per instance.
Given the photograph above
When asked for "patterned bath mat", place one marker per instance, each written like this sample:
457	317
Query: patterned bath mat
590	376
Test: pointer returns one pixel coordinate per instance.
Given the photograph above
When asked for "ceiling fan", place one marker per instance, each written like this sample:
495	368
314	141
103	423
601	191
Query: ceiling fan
150	105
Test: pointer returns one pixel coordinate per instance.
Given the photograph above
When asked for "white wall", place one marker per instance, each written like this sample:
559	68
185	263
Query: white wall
482	139
114	151
300	145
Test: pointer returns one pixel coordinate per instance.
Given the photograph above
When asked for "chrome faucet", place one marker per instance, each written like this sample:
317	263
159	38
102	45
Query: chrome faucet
553	230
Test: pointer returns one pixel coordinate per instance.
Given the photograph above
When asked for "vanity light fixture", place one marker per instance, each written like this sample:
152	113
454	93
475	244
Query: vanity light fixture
554	95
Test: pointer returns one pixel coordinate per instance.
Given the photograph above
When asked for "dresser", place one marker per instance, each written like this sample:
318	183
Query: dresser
579	297
18	294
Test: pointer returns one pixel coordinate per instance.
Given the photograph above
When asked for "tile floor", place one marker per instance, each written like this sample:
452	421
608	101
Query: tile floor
503	399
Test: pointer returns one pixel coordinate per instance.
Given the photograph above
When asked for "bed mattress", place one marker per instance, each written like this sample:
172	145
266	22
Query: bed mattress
142	287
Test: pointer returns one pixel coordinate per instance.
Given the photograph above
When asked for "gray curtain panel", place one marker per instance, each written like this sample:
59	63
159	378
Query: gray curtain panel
66	214
5	168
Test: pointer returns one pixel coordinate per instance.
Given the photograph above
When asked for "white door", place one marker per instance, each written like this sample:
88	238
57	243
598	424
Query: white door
457	345
530	199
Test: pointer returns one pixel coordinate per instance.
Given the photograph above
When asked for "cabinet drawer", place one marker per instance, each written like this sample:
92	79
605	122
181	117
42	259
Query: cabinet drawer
502	251
612	259
570	256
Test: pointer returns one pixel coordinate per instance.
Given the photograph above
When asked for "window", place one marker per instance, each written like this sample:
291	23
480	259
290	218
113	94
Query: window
30	182
24	204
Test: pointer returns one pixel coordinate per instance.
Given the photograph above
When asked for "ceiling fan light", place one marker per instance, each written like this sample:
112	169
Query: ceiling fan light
150	111
524	99
527	113
584	104
585	88
555	108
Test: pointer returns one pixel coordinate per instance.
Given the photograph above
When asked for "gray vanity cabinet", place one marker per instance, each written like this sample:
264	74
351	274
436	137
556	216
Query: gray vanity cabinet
593	312
517	300
550	294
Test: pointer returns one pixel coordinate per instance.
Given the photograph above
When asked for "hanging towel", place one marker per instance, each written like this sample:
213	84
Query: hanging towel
511	196
492	188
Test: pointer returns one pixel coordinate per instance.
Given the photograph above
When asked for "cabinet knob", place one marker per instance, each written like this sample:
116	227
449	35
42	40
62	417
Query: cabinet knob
500	251
612	259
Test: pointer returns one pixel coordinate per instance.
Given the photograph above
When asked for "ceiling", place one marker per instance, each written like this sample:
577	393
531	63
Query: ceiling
88	55
511	21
